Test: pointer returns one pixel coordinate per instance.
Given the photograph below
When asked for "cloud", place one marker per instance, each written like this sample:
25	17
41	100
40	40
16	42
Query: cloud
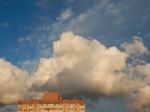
90	21
80	23
137	48
25	39
77	60
66	14
79	67
140	102
88	68
12	82
143	99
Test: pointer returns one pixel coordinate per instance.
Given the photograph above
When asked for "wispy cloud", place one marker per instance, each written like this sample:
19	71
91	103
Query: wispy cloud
66	14
25	39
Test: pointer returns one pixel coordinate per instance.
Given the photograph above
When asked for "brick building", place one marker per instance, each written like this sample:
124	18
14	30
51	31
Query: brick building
51	102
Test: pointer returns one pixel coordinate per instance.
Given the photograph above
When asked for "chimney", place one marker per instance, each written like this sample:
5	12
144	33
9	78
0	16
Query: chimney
52	96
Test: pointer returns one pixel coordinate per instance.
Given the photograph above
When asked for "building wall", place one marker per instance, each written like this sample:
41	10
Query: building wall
50	108
51	102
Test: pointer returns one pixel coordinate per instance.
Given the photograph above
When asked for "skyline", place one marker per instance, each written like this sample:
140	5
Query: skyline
96	49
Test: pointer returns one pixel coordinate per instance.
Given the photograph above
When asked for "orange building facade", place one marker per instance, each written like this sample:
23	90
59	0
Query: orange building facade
51	102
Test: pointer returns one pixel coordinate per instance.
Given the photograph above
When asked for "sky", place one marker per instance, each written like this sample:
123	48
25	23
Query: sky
43	43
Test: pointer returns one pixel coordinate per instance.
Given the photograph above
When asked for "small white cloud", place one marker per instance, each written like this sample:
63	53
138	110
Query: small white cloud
66	14
20	40
136	48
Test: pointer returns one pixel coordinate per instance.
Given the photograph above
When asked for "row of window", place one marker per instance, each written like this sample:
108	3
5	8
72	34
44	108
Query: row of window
49	104
52	109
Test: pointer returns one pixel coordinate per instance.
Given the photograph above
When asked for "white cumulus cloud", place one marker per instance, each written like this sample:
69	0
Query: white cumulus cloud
79	66
136	48
12	82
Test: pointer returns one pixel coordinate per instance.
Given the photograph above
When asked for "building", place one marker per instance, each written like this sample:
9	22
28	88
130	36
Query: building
51	102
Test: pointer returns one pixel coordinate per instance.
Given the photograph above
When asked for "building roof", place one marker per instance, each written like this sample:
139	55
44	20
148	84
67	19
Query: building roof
52	98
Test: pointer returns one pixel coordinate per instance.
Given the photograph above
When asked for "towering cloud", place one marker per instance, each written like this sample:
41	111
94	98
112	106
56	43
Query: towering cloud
82	67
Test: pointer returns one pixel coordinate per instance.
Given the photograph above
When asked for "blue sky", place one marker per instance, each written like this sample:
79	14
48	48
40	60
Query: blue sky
29	27
37	20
